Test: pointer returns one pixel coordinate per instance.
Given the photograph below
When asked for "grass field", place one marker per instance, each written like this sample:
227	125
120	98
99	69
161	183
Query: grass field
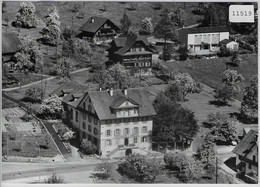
208	71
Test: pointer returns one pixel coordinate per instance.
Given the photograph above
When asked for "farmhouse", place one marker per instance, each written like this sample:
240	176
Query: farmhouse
247	154
132	52
99	30
118	122
203	39
10	45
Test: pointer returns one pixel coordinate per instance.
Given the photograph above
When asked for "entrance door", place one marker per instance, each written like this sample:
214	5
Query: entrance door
128	152
126	141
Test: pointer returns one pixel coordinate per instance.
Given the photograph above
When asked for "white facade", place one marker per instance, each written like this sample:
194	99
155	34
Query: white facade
206	41
233	46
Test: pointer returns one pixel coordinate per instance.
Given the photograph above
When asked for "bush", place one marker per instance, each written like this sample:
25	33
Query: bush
224	94
54	179
183	52
216	119
27	117
105	167
51	107
34	94
224	52
87	147
146	26
174	92
175	161
140	168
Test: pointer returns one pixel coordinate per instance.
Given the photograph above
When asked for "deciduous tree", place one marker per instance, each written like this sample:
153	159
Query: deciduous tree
146	26
187	84
174	92
233	79
87	147
64	67
34	94
249	105
215	119
183	52
26	16
51	107
51	32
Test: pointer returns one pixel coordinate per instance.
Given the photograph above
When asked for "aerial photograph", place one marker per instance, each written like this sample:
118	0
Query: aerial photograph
129	92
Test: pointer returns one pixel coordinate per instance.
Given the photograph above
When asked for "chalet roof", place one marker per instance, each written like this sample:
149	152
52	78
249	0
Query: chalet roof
203	30
102	102
119	100
10	43
246	143
129	42
67	88
93	27
225	41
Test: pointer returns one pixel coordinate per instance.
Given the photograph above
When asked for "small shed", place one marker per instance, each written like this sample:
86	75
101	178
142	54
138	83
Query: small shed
233	46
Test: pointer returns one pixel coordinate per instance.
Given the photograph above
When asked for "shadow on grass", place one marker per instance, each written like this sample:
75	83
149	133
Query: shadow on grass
242	119
232	64
231	163
219	103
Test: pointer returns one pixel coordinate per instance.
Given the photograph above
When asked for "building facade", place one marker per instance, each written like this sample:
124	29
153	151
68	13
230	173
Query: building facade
247	154
99	30
201	39
118	122
133	52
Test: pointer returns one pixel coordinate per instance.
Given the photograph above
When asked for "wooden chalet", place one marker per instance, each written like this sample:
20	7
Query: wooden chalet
98	30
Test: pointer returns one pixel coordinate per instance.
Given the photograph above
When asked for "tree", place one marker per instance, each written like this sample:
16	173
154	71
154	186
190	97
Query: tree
167	52
64	67
178	17
224	52
174	92
26	16
87	147
216	119
28	55
173	123
235	59
249	105
146	26
51	32
183	52
141	168
233	79
187	84
224	94
64	132
34	94
54	179
51	107
165	28
175	160
225	133
125	24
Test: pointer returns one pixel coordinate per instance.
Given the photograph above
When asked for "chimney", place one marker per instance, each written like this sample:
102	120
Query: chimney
125	91
92	20
111	92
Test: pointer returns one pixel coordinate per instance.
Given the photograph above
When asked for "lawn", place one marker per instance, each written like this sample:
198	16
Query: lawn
208	71
6	103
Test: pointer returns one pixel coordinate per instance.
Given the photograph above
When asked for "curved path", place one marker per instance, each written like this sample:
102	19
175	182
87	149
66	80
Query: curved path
38	82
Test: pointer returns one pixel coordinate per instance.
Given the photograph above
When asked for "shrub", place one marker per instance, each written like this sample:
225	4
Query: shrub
87	147
183	52
224	94
26	16
175	161
54	179
51	107
174	92
216	119
27	117
224	52
141	168
34	94
105	167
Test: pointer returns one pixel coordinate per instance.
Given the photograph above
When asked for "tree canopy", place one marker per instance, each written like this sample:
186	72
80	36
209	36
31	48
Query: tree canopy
125	24
249	105
51	107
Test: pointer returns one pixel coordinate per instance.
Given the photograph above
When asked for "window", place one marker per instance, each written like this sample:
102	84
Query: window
95	131
249	166
135	111
135	130
84	106
95	121
135	140
95	141
143	139
89	118
144	129
108	143
253	158
71	114
84	135
84	115
108	133
77	116
126	131
89	138
89	108
117	132
84	125
89	128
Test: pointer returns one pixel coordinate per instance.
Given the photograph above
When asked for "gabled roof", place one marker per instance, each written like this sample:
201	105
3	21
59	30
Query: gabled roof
93	27
127	42
246	143
102	101
120	99
225	41
10	43
67	88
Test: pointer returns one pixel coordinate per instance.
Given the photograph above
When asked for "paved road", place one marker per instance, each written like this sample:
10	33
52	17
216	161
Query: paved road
43	80
56	139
